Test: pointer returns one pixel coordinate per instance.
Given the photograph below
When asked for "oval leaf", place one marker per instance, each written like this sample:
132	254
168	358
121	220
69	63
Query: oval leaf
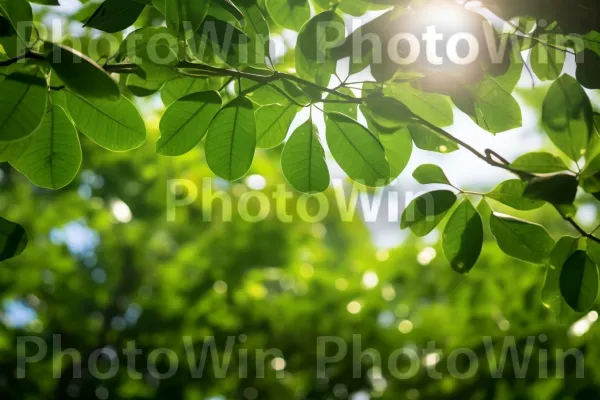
567	116
539	163
272	124
53	155
289	14
322	32
231	140
521	239
23	102
425	212
81	74
357	150
463	237
303	160
114	125
579	281
430	173
511	193
184	123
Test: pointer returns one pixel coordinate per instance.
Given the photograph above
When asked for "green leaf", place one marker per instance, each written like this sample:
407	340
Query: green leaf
13	239
231	140
396	142
539	163
10	151
176	88
185	122
230	7
53	156
547	62
579	281
349	109
154	45
558	188
567	116
430	173
17	12
221	40
463	237
425	212
289	14
272	124
143	87
512	194
23	102
590	176
491	107
521	239
303	160
115	15
81	74
587	71
193	12
427	139
257	29
593	250
432	107
357	150
386	112
114	125
313	58
551	296
398	149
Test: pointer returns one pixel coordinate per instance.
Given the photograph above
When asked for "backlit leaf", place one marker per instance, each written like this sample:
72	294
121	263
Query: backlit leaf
521	239
231	140
53	156
114	125
425	212
185	122
303	160
357	150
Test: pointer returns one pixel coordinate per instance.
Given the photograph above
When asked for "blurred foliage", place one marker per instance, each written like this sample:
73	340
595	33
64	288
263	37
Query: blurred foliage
99	279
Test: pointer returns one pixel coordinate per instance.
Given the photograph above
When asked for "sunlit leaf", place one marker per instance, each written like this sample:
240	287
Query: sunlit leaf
539	163
303	160
114	125
53	156
547	62
23	102
430	173
272	124
521	239
357	150
567	116
185	122
432	107
425	212
289	14
231	140
313	61
511	193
